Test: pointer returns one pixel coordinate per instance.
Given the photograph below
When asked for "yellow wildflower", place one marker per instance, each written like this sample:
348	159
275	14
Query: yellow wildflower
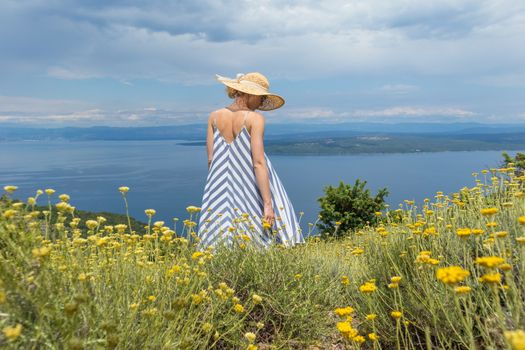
490	278
395	279
64	197
373	337
462	289
396	314
368	287
463	232
150	212
358	339
489	211
238	308
490	261
91	224
516	339
521	220
345	281
49	191
250	336
12	333
371	317
343	311
505	267
197	255
123	189
9	213
452	274
346	330
501	234
357	251
257	299
41	252
192	209
196	299
10	188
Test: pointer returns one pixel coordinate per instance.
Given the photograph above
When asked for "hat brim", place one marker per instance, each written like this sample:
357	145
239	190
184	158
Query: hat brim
271	102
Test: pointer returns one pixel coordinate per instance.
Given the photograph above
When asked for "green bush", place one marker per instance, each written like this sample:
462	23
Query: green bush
352	206
518	161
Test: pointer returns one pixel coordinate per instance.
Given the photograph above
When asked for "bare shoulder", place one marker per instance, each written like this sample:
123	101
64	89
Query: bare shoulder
214	114
257	119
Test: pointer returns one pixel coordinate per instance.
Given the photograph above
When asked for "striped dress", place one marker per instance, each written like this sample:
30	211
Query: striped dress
232	206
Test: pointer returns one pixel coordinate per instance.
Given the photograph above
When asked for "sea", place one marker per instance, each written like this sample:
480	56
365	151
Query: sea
169	177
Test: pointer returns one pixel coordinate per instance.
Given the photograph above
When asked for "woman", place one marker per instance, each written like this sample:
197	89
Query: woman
244	198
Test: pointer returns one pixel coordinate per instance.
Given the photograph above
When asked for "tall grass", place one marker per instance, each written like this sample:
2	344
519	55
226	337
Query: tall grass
448	275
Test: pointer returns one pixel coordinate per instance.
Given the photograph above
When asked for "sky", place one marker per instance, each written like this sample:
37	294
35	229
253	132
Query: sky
152	62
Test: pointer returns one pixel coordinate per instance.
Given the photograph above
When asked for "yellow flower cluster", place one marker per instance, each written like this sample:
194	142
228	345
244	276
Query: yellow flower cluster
490	278
452	274
343	311
489	211
424	258
368	287
490	261
516	339
345	280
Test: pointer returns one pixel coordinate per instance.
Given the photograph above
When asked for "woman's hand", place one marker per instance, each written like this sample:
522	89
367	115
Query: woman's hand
269	215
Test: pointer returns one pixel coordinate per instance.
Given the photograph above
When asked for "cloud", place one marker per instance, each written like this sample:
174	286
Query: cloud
389	115
58	113
68	74
187	42
375	59
48	112
23	105
408	111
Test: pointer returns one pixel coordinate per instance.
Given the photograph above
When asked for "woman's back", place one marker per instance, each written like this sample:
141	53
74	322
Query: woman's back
230	123
242	189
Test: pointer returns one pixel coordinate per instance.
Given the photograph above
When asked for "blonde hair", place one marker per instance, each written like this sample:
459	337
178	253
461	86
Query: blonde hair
232	93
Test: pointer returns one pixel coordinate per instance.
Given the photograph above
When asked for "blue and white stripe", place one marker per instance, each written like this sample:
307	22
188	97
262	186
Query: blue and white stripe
231	189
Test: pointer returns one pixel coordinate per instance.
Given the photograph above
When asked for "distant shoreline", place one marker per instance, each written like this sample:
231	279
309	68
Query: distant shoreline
339	147
306	139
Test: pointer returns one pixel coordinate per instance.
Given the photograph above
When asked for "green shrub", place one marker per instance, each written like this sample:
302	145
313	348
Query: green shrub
518	161
352	206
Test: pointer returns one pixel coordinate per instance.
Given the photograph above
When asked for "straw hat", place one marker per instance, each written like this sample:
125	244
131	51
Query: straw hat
254	84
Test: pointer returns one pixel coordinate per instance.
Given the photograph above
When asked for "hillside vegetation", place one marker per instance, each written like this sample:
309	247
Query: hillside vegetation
447	275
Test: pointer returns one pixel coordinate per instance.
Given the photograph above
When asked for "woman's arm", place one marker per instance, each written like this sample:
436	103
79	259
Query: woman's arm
259	162
209	138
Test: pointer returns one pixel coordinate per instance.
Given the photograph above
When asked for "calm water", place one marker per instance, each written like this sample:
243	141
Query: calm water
169	177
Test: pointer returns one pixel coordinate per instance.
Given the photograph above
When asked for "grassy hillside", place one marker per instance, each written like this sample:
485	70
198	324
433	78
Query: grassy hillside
448	275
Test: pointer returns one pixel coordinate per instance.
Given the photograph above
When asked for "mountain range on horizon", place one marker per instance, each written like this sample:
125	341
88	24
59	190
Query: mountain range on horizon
274	131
